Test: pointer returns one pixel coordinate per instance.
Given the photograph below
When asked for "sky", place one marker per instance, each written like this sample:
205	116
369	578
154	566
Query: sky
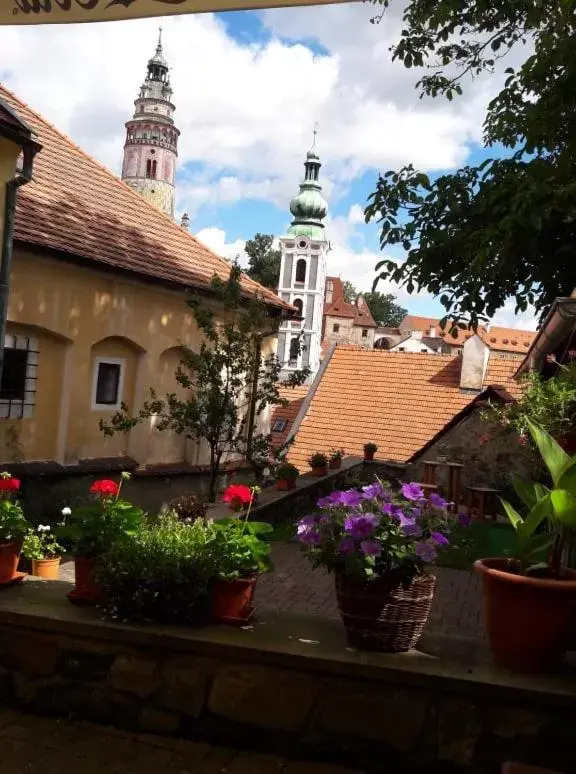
248	88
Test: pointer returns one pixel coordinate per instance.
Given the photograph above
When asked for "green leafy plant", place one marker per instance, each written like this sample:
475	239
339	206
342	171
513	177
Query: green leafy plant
91	530
336	454
13	524
287	472
370	447
553	507
41	543
318	460
160	572
238	548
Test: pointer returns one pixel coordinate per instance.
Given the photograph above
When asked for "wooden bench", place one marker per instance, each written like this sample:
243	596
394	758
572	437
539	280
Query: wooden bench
483	495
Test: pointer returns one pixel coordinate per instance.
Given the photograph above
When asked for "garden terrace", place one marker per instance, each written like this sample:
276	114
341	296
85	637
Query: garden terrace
288	685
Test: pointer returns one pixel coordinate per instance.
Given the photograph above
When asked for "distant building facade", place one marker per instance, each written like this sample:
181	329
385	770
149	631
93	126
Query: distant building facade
344	322
151	146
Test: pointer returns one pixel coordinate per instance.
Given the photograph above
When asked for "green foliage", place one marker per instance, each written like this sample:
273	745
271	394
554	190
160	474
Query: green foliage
160	572
287	472
238	548
553	507
41	543
384	309
370	447
350	292
91	530
13	524
336	454
551	403
188	507
263	260
318	460
505	228
218	407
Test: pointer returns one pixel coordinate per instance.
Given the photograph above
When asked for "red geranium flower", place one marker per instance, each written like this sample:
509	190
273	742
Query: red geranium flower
105	488
237	496
9	484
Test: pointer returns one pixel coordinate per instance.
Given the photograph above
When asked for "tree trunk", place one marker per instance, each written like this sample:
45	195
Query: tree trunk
214	474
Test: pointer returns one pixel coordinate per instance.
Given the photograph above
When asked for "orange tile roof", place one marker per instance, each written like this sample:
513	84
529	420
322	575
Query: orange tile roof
497	338
296	397
397	400
75	206
339	307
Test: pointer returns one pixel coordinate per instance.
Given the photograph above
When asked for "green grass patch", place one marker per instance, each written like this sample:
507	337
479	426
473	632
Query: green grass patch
283	532
480	540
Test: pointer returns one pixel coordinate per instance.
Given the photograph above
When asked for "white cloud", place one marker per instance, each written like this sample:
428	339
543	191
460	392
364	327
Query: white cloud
215	239
356	214
507	318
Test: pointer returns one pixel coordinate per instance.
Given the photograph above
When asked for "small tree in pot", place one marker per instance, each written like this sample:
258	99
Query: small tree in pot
286	475
13	527
370	450
335	459
319	464
531	598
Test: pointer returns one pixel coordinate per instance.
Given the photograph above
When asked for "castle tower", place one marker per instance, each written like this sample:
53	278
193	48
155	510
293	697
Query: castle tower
151	146
303	272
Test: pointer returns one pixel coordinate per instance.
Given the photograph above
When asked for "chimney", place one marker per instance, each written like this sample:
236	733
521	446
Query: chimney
417	335
474	362
185	222
432	332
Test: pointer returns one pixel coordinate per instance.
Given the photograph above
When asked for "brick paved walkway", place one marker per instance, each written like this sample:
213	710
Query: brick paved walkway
297	588
33	745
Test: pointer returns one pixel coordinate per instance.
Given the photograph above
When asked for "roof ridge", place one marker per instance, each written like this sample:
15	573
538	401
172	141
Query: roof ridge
117	180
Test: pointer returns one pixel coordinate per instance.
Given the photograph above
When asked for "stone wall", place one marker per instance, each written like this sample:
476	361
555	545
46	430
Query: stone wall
260	691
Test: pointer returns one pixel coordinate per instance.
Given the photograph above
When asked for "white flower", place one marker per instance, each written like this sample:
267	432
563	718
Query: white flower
66	511
43	528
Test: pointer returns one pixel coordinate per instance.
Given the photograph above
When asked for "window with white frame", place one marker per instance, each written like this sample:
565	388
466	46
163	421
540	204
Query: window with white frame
107	383
279	425
19	377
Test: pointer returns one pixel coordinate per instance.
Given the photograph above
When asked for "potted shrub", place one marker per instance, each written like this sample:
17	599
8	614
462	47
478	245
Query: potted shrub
530	598
286	476
379	544
442	452
42	548
92	529
13	527
319	464
335	459
370	450
240	556
188	507
159	572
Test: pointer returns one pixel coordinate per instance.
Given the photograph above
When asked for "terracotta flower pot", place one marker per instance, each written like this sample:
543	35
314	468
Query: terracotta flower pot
385	614
86	589
319	472
283	484
368	456
49	569
527	619
9	559
231	601
335	464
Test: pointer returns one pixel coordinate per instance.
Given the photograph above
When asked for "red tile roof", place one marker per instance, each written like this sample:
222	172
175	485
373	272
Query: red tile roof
497	338
339	307
289	413
76	207
397	400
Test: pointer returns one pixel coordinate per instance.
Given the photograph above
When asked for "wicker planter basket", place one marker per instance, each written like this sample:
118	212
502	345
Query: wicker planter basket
383	614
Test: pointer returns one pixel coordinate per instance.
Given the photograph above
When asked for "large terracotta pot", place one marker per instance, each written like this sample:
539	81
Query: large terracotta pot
369	456
9	559
49	569
86	590
321	471
385	614
283	484
527	619
231	601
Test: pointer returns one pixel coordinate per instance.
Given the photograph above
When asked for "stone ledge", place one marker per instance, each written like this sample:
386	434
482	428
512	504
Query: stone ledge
290	641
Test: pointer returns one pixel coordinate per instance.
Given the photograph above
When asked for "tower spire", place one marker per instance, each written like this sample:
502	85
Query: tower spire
309	207
159	44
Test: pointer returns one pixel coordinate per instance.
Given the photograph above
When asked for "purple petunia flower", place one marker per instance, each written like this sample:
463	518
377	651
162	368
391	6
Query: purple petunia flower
464	519
370	548
360	525
307	531
412	530
412	491
347	545
436	501
373	491
351	498
330	501
394	511
439	539
426	552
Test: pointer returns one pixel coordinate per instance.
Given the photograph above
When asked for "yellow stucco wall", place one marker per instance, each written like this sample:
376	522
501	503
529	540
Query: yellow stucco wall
78	314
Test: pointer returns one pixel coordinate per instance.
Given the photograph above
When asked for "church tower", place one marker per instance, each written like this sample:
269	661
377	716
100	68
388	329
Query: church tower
151	146
304	251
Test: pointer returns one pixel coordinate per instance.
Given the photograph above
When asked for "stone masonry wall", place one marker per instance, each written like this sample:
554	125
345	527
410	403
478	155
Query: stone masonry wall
377	721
